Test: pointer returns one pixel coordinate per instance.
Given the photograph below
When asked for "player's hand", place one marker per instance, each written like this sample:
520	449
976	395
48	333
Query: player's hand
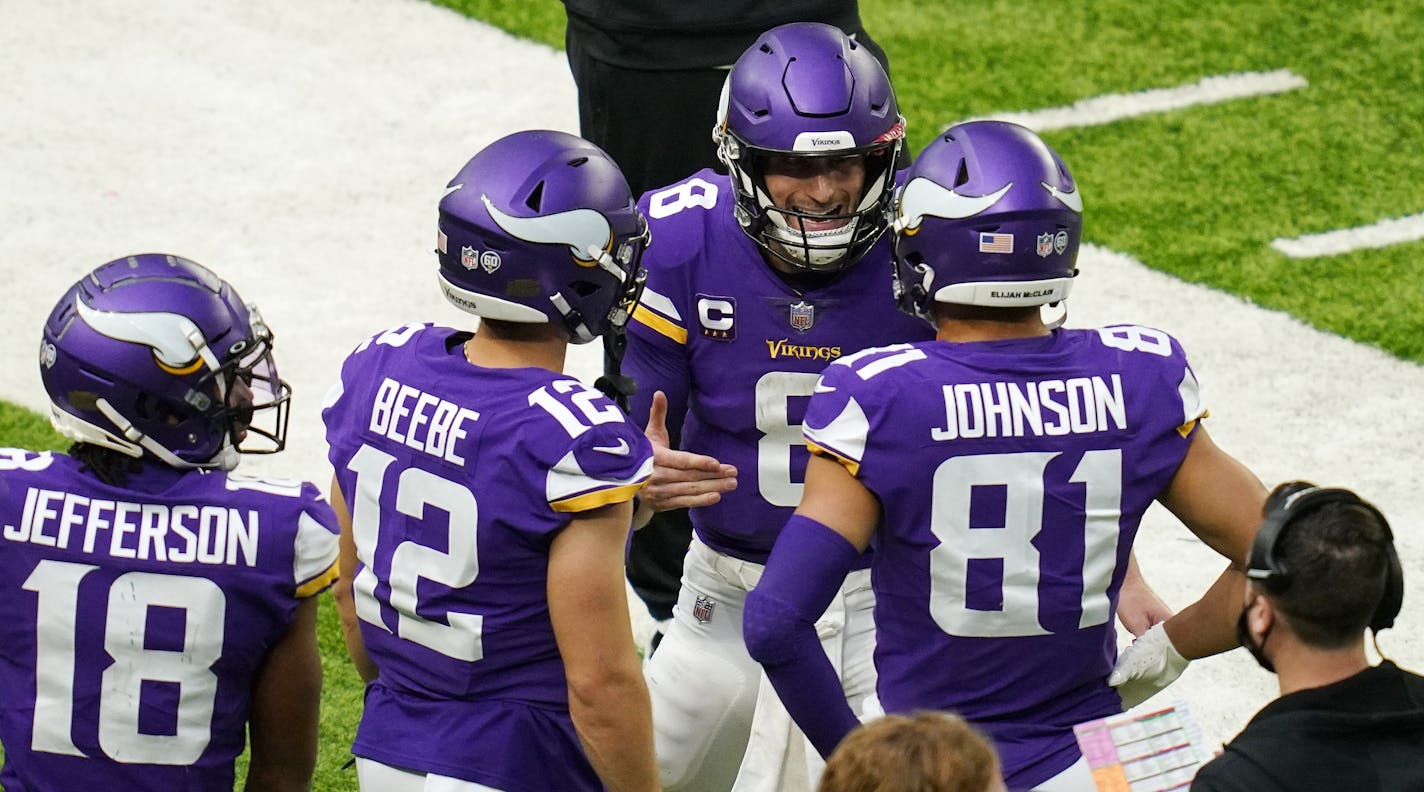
1138	606
1144	668
680	480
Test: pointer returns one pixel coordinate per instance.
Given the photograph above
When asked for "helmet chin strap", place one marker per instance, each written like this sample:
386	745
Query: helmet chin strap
605	262
572	319
1057	321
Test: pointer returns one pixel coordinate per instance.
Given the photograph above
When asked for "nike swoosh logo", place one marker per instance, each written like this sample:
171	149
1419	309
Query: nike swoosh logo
923	198
449	190
1072	200
617	450
819	388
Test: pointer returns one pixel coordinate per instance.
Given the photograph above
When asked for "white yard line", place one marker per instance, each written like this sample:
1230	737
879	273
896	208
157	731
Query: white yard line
1108	108
1387	232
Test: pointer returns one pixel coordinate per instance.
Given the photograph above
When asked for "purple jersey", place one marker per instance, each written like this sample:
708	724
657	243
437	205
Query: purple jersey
737	350
133	620
1013	476
458	478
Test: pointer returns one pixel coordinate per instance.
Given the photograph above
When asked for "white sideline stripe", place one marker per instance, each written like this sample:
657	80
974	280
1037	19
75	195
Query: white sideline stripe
1115	107
1387	232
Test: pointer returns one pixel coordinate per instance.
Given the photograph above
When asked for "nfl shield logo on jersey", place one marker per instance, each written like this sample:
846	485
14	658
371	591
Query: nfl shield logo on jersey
468	258
803	315
1045	245
702	609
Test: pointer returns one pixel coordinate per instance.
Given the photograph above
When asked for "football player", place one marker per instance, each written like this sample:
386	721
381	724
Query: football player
1002	470
755	285
157	608
758	281
485	498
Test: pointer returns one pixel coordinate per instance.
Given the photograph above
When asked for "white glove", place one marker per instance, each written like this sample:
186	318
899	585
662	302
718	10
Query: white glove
1144	668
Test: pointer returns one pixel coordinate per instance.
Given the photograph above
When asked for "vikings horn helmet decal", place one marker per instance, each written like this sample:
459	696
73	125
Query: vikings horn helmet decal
923	197
1070	198
583	230
178	344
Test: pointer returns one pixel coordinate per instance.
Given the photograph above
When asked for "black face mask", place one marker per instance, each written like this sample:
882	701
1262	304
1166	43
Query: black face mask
1244	636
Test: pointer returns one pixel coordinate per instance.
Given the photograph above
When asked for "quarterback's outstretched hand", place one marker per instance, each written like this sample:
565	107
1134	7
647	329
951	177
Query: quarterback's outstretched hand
1144	668
680	480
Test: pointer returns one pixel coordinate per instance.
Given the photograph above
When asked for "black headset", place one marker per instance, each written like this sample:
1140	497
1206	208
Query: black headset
1292	502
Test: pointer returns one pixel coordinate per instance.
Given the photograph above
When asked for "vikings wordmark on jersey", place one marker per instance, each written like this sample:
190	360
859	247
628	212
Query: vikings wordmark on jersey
133	620
1013	476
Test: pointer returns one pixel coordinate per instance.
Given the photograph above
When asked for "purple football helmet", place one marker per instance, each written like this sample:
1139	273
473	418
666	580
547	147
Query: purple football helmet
540	226
155	355
806	89
988	215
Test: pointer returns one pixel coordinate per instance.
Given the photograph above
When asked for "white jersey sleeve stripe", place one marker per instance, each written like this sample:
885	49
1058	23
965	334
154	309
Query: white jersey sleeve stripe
845	435
316	551
1192	408
568	485
660	304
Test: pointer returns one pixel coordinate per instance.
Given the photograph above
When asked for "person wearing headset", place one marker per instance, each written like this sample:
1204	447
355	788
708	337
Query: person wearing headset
1323	569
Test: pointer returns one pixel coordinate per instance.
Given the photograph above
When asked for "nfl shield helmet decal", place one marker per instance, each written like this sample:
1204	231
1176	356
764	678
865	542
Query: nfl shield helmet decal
469	259
1045	244
803	315
702	609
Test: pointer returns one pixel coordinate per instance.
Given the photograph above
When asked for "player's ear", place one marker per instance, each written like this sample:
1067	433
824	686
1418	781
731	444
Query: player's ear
1260	615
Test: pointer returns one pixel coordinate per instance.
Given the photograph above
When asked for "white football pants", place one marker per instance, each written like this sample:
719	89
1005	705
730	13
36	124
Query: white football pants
1077	778
372	776
704	685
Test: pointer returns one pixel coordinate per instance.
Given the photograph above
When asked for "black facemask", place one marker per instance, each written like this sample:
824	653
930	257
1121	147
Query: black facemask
1257	651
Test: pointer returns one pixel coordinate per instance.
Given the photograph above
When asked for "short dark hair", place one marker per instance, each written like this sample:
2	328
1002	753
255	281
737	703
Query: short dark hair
1338	557
925	751
960	311
520	331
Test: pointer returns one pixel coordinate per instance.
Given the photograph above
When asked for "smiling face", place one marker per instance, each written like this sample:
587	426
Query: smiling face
819	196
